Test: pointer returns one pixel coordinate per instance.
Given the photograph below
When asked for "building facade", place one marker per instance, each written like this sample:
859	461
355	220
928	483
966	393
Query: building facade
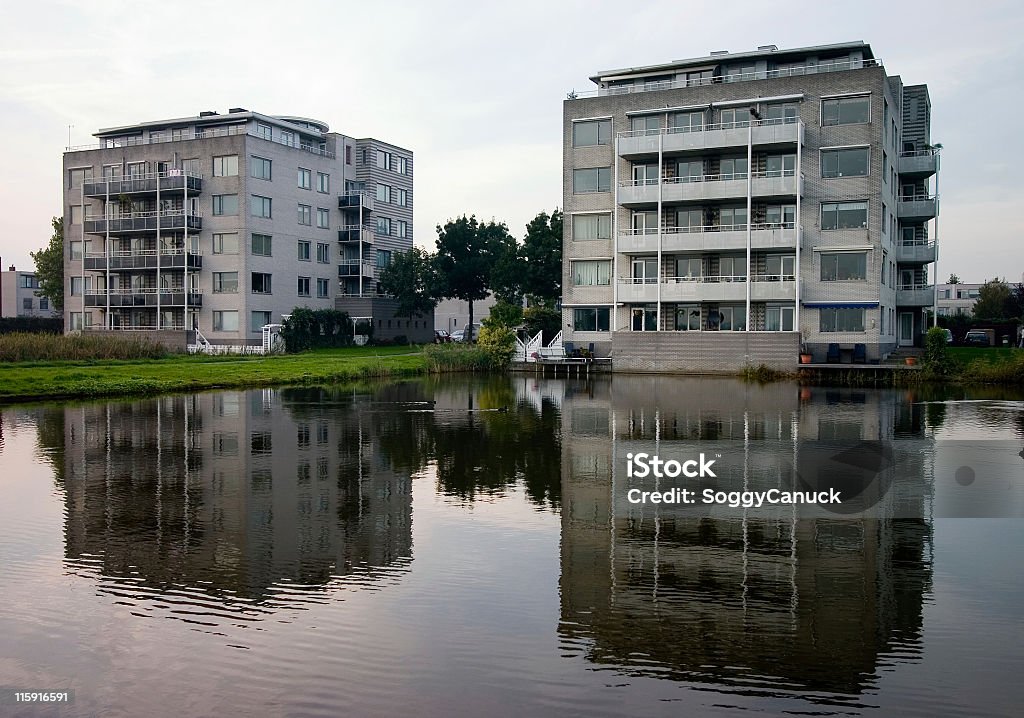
731	209
954	299
216	225
18	296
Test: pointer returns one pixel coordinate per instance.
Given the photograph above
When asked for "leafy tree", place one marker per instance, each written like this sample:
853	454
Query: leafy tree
993	297
505	314
507	265
50	266
541	318
542	256
409	278
953	279
463	261
1015	304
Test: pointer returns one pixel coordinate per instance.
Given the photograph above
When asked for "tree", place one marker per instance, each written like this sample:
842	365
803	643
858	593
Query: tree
463	261
50	266
993	297
409	278
953	279
507	265
542	256
1015	304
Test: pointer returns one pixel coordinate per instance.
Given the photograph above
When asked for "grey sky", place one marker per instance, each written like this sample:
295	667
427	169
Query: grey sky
476	90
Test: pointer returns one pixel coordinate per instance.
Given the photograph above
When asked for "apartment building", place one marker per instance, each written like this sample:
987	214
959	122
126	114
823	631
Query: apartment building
18	296
736	208
210	227
953	299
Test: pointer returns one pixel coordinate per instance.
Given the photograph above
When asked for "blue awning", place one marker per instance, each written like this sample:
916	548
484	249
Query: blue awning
854	305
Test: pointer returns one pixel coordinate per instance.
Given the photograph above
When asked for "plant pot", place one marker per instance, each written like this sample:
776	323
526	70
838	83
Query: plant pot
911	361
805	358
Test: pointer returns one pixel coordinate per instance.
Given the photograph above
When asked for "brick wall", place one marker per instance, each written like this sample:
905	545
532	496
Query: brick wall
703	352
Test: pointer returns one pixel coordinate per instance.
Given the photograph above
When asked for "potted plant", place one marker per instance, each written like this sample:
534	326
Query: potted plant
805	355
910	361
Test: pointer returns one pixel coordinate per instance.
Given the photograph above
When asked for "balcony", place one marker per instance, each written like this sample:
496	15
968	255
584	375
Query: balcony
202	133
144	297
168	259
356	233
353	269
171	181
709	289
915	252
680	140
353	201
919	208
919	164
705	188
711	238
139	222
915	295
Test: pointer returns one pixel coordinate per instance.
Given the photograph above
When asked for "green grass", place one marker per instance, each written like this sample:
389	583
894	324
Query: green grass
84	379
989	355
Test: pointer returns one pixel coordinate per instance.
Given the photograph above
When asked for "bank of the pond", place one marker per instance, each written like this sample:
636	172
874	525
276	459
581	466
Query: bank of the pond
83	379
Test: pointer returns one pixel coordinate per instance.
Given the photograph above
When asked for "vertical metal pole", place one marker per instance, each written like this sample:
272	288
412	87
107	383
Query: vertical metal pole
184	286
106	250
615	239
935	271
750	174
661	187
158	211
797	227
359	262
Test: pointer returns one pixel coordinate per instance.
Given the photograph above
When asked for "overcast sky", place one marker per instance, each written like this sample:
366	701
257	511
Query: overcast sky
476	90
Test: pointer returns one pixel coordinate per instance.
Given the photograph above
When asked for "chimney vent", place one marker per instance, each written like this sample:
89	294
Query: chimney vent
207	113
773	48
233	110
12	268
719	52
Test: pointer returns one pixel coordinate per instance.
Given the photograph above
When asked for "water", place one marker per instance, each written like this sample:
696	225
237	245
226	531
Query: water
460	548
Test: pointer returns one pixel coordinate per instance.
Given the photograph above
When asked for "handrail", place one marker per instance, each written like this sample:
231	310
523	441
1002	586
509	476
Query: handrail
140	290
918	197
756	227
920	153
919	243
145	176
914	287
144	253
709	127
144	215
726	177
135	327
131	141
797	71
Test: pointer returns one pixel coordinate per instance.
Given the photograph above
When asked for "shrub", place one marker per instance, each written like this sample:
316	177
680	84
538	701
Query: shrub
499	341
456	357
315	329
936	360
32	325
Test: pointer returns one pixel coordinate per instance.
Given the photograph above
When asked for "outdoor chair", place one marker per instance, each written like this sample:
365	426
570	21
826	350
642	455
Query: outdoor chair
833	354
860	354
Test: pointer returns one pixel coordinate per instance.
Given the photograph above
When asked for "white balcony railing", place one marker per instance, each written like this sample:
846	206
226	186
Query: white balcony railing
723	177
199	134
711	127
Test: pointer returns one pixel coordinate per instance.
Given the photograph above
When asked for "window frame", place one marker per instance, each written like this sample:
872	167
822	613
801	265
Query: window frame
839	110
860	255
266	281
599	186
834	312
266	240
597	317
304	178
262	202
222	166
307	245
599	122
838	152
263	163
839	209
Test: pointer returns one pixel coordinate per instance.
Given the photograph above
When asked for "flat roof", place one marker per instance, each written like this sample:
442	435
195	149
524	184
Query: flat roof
298	124
788	53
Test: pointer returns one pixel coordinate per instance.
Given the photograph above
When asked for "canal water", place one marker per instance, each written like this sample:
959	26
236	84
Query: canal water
462	547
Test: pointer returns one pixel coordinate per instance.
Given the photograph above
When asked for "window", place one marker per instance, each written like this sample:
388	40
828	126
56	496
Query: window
323	218
733	168
593	179
263	130
225	243
261	283
644	222
780	215
305	178
322	287
846	111
688	318
383	193
701	77
728	319
646	125
76	250
384	226
261	245
26	304
844	163
591	132
78	176
225	166
225	282
843	266
383	258
592	273
259	319
735	117
323	182
732	269
841	319
260	168
732	218
402	228
780	165
403	198
780	267
305	214
136	169
303	287
80	285
44	304
287	138
226	321
778	319
225	205
262	206
402	165
304	250
383	160
323	253
844	215
348	154
686	122
111	172
590	319
689	268
76	214
591	226
690	220
782	113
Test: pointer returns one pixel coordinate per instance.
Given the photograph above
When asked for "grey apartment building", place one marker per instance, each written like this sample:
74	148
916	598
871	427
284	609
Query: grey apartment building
18	295
736	208
210	227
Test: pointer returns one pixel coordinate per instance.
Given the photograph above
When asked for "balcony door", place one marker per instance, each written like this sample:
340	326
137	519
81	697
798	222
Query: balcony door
906	326
645	271
645	174
644	222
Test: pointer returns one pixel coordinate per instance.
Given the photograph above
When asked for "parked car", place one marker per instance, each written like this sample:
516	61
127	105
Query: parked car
976	338
459	335
441	336
949	336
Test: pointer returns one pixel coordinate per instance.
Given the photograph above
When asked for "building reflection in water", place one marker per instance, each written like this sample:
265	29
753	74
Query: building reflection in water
776	605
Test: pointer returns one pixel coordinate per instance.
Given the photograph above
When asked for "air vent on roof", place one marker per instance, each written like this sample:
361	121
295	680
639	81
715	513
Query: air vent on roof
233	110
207	113
773	48
719	52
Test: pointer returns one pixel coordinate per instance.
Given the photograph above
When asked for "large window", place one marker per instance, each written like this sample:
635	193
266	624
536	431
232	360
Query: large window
383	258
384	226
323	253
383	160
322	288
591	132
592	273
841	319
262	206
591	226
402	199
76	214
323	218
75	248
851	162
225	166
261	283
225	243
782	112
732	218
728	319
260	168
688	318
261	245
225	204
844	215
78	176
305	214
592	179
645	125
590	319
778	319
843	266
323	182
846	110
780	267
259	319
383	193
226	321
686	122
303	286
783	215
402	227
304	250
305	178
225	282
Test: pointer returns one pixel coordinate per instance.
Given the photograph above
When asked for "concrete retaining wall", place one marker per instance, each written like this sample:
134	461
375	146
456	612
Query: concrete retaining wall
703	352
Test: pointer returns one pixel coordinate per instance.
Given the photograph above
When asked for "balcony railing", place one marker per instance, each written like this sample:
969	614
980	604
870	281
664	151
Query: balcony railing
199	134
143	221
353	269
145	259
770	122
916	251
136	327
143	297
915	295
799	71
171	180
355	200
356	233
917	208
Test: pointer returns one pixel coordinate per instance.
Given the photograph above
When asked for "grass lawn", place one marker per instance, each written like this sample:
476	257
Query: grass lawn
991	355
67	380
